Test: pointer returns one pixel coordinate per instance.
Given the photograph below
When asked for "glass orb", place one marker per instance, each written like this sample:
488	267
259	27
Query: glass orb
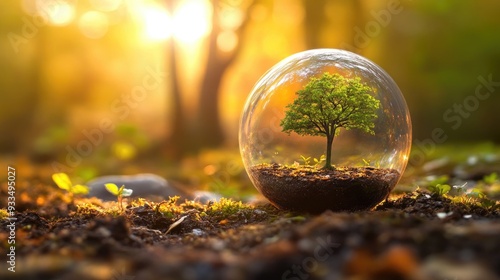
320	100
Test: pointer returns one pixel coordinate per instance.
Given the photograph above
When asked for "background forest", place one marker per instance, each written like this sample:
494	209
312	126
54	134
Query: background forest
137	79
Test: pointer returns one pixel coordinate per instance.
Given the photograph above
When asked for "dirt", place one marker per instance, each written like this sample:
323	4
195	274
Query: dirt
414	236
313	190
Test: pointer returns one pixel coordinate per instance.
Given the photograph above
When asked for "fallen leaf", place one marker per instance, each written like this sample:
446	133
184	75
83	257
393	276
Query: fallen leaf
176	223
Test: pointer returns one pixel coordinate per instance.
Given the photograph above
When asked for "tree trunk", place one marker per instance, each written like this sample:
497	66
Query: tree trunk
209	132
209	128
316	19
27	127
358	20
177	139
329	141
314	22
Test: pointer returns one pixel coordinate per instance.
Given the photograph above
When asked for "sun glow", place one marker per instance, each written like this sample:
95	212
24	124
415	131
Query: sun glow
157	22
191	21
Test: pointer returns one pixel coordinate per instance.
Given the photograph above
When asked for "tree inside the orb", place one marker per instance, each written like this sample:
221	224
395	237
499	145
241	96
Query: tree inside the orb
322	108
329	103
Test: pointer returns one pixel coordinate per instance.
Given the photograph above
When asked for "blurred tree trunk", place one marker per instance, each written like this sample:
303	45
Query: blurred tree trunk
178	121
316	20
27	121
207	129
177	139
209	132
358	20
20	82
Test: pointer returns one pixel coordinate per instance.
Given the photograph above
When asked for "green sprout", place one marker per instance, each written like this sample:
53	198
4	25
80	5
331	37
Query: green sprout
439	189
63	182
306	160
120	193
319	160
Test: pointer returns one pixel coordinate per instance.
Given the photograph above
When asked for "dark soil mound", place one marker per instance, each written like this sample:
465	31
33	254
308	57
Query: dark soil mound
314	191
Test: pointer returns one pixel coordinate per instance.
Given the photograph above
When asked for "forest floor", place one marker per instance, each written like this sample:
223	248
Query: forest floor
442	229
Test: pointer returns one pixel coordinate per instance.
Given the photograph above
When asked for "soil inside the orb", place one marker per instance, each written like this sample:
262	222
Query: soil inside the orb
313	190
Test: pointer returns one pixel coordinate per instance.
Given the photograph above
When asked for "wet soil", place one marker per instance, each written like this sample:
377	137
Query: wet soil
316	190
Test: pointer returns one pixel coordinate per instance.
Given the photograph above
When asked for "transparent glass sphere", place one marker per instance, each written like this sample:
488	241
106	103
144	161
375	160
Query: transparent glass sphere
284	147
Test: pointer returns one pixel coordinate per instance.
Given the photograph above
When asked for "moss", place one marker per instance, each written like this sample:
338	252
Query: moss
169	208
4	214
226	208
471	202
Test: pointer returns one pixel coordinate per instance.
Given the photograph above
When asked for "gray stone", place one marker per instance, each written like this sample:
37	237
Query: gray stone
205	197
143	185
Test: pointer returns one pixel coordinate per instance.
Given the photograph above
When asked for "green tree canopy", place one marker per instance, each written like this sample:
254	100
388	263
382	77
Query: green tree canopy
328	103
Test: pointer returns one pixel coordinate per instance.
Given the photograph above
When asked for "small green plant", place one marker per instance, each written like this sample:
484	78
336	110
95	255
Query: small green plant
63	182
306	160
459	189
439	189
120	193
491	179
477	192
320	160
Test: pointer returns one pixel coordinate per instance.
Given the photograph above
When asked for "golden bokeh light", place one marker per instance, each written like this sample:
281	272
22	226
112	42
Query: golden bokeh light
227	41
230	18
94	24
190	21
105	5
56	12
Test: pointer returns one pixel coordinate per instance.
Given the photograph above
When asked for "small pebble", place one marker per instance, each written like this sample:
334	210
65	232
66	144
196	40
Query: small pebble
198	232
443	215
205	197
259	212
103	232
472	160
